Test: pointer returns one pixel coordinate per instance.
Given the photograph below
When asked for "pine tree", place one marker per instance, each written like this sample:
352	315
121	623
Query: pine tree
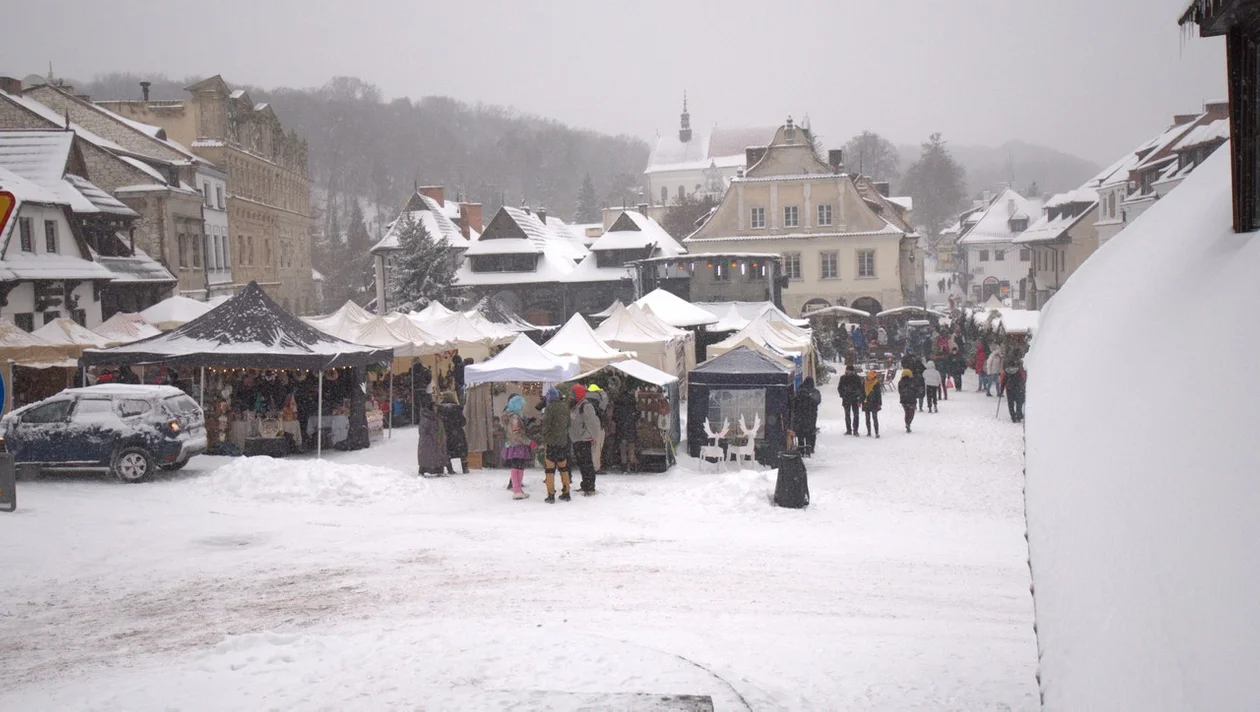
357	273
587	202
423	271
936	182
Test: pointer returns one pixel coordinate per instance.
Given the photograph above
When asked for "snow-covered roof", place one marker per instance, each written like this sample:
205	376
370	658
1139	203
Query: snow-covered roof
635	369
28	191
675	311
139	267
1083	194
1217	130
434	310
102	201
523	360
67	332
432	216
904	201
630	325
124	327
729	319
51	115
19	265
1141	533
608	311
576	338
504	246
341	323
634	230
41	158
551	267
174	311
994	223
717	146
588	270
752	310
460	328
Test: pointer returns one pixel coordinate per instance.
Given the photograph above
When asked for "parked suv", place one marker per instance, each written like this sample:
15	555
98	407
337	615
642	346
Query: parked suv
129	430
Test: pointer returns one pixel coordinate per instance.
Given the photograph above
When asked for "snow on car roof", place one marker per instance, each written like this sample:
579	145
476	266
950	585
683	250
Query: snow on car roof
137	390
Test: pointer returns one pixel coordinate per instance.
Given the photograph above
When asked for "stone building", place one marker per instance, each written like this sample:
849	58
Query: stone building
269	189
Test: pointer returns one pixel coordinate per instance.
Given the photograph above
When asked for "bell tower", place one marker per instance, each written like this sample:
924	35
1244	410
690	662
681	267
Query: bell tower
684	129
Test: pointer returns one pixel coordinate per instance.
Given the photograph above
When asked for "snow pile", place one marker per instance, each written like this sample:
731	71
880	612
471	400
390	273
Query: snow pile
310	481
742	491
1142	522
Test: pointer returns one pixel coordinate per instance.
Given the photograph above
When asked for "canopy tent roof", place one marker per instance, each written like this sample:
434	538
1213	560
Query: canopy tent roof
762	331
648	316
496	312
460	328
631	325
576	338
729	319
248	331
174	311
635	369
741	366
910	310
605	313
522	360
675	311
22	346
839	311
67	332
124	327
382	333
750	310
341	321
434	310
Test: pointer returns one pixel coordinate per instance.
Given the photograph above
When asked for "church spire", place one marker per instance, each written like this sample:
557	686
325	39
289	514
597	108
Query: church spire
684	130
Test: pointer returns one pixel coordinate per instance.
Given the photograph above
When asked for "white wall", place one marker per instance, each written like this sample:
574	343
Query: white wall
1009	269
218	241
22	298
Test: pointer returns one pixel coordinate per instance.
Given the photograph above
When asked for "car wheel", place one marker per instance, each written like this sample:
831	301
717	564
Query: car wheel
133	465
173	466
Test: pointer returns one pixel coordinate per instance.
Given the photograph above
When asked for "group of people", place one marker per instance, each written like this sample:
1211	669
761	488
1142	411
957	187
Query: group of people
861	394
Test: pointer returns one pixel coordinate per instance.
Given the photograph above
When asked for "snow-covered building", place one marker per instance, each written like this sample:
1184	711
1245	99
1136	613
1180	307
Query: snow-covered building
603	276
698	163
987	256
841	243
456	224
210	275
55	161
46	268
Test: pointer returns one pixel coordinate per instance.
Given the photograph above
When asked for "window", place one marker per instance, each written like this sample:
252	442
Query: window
25	322
984	255
218	190
999	255
791	216
1111	205
830	265
271	255
26	227
1025	255
729	405
792	265
50	236
129	408
757	218
57	411
205	188
824	215
182	241
196	250
250	242
1019	224
240	248
51	316
682	195
664	195
721	272
227	251
866	263
80	317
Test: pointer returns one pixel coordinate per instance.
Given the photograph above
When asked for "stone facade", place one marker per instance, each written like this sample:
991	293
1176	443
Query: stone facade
268	201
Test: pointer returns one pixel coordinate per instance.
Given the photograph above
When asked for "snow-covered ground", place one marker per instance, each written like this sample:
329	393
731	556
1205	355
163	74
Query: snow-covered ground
352	584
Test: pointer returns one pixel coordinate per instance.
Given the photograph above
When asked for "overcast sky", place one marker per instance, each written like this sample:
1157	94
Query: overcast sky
1091	77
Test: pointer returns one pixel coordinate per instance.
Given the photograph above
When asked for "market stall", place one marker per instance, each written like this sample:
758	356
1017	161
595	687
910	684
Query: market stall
576	338
175	311
655	397
124	328
260	365
774	338
741	382
630	329
19	349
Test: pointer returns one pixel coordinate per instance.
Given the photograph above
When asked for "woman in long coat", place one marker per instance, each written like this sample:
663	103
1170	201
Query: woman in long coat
430	453
451	416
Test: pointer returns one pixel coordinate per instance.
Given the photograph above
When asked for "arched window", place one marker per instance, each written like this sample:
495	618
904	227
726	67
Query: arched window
682	195
664	195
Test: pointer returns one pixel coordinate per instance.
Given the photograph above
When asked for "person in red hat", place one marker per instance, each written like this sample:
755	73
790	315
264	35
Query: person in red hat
583	427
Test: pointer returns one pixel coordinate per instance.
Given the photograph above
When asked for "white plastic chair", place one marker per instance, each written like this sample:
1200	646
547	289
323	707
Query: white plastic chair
747	451
713	447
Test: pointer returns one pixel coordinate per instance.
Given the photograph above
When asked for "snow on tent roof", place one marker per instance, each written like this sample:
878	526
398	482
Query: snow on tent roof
174	311
839	311
382	333
673	310
910	310
493	309
647	316
576	338
626	326
635	369
410	329
751	310
124	327
458	328
248	331
743	366
342	322
729	319
67	332
522	360
434	310
605	313
1142	533
764	333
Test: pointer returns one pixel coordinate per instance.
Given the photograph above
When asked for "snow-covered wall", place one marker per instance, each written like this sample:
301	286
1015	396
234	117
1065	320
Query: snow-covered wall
1143	465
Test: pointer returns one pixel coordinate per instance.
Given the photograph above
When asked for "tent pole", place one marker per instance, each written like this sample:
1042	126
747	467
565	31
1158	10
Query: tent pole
391	400
203	388
413	392
319	419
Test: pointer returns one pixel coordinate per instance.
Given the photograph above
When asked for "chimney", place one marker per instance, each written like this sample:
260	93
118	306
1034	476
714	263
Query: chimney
835	159
1218	110
144	90
11	85
436	192
469	218
1181	119
881	187
542	215
752	154
643	208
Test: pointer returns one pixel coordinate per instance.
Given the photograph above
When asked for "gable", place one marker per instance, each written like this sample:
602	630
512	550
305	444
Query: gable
624	223
502	226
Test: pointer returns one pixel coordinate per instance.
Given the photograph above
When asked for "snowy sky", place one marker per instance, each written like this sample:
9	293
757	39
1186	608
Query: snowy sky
1091	77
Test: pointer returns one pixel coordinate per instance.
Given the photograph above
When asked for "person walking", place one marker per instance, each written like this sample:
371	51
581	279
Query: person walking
556	442
851	396
859	342
1014	381
430	455
908	391
872	401
626	428
451	417
912	361
932	384
599	400
942	367
978	365
992	370
957	367
805	416
516	445
583	424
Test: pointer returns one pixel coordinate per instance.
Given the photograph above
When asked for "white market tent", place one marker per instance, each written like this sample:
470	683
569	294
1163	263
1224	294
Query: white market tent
435	310
124	327
729	319
471	337
524	361
174	311
750	311
605	313
1012	321
631	329
342	321
636	369
67	333
576	338
839	312
778	339
675	311
911	310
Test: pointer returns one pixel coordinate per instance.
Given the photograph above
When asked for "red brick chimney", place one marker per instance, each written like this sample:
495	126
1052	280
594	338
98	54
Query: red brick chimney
469	218
11	85
437	192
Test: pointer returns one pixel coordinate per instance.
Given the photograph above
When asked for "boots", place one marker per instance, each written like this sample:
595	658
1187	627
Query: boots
515	484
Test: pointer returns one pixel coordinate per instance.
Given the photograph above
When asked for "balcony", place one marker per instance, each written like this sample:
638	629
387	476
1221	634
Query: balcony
1217	17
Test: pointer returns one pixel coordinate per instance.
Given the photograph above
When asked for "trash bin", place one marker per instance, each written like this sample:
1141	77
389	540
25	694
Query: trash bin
791	489
8	483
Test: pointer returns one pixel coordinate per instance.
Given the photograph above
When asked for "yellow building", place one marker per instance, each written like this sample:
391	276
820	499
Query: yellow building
269	190
842	241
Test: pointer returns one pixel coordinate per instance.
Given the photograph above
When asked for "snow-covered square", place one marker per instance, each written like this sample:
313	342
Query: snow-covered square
351	583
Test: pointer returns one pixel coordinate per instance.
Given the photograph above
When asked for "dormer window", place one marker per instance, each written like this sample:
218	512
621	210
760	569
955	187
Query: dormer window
1019	224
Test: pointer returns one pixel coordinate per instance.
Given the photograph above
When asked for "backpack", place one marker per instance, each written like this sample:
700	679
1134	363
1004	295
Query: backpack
598	405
